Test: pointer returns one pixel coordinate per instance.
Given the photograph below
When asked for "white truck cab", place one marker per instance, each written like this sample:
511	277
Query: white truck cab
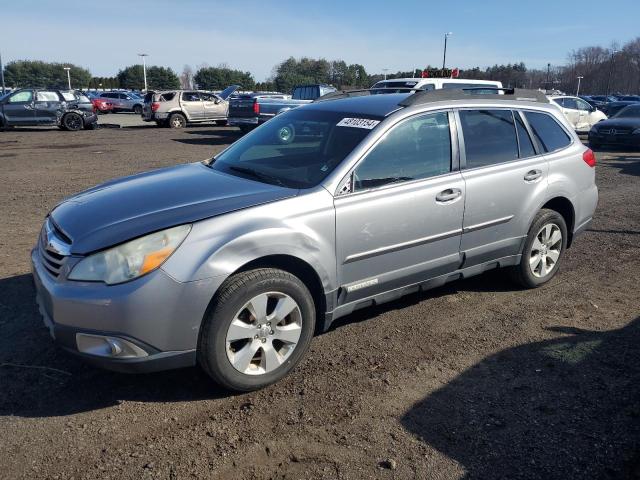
435	83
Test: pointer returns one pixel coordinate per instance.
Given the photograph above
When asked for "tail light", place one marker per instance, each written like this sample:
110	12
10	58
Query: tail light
589	157
155	106
256	107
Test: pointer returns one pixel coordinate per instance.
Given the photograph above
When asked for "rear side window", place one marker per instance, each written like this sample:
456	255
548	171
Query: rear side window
417	148
190	97
549	134
489	137
167	97
43	96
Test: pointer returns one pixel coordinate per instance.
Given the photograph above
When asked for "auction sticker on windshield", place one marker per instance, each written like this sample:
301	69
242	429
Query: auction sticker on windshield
366	123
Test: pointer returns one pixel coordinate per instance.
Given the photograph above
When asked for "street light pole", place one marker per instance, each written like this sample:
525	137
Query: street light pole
385	70
444	56
68	69
548	72
578	89
144	68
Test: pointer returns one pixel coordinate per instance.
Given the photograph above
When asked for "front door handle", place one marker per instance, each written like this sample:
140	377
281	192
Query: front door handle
448	195
532	175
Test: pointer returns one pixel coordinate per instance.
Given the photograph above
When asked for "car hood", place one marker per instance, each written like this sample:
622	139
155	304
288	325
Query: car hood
122	209
620	122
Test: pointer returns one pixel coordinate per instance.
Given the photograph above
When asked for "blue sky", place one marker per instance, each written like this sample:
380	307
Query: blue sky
254	35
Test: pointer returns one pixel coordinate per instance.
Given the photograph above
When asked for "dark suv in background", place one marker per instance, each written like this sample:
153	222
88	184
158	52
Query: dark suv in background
67	109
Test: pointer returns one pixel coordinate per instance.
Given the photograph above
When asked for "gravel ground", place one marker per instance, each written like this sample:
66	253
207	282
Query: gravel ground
474	380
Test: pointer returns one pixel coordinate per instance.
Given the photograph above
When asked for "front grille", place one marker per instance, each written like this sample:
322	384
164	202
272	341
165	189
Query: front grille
615	131
53	248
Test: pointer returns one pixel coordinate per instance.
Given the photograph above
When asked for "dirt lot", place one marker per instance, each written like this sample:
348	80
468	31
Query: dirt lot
475	380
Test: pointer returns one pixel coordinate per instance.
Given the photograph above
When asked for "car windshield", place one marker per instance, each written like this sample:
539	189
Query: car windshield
632	111
296	149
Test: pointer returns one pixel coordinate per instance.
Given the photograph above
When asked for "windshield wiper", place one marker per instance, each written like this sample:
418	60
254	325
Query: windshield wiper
256	174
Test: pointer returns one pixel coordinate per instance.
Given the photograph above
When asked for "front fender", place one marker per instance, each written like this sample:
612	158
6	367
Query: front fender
302	227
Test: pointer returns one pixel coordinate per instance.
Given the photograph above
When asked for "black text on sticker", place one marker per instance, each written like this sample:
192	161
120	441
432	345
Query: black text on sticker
358	123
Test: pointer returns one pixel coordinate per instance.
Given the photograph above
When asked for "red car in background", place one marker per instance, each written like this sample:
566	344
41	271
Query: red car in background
100	104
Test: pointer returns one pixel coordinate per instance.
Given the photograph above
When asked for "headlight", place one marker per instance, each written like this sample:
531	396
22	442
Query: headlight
132	259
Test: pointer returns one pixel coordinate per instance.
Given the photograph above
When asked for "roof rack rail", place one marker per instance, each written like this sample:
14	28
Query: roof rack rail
362	92
510	94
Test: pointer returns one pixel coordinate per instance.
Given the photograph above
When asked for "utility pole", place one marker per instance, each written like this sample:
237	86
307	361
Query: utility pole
578	89
444	57
2	74
68	69
144	68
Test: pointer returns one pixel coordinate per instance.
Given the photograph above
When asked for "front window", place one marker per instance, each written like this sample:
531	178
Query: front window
296	149
26	96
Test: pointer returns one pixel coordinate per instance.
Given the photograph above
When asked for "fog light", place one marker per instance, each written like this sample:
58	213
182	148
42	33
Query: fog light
111	347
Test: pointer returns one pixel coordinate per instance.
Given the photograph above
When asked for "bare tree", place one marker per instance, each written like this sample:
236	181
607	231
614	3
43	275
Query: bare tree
186	77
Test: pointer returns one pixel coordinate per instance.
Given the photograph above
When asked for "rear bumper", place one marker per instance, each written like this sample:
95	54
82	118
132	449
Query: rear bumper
237	121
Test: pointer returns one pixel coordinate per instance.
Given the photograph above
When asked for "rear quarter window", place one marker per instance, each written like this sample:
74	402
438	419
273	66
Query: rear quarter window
547	131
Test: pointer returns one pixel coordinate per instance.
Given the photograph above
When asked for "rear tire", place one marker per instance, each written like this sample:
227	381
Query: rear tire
177	120
72	122
543	250
257	330
137	109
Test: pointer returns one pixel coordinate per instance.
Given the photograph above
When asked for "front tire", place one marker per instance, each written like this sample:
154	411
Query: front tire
543	250
177	120
257	330
137	109
72	122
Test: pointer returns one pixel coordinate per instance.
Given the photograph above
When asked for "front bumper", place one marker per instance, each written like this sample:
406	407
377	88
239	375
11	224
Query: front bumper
628	139
154	316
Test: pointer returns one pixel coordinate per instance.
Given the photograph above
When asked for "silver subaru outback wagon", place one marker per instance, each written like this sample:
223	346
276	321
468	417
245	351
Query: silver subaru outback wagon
235	262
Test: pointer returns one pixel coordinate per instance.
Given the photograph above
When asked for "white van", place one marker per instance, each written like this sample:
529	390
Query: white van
435	83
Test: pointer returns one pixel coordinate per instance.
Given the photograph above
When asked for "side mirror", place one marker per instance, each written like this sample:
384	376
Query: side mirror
216	101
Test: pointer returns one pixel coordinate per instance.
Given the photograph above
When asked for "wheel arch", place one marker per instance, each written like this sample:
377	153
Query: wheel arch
295	266
564	207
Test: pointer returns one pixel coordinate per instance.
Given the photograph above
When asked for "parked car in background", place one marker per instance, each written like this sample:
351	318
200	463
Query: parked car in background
249	111
614	107
68	110
178	108
579	113
231	263
101	105
629	98
623	128
604	98
124	101
599	104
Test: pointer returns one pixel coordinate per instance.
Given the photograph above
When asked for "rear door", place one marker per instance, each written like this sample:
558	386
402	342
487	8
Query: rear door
401	222
192	105
47	107
584	115
505	177
18	108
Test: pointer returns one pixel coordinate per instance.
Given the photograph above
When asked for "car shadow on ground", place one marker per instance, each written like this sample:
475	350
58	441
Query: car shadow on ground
220	136
562	408
625	165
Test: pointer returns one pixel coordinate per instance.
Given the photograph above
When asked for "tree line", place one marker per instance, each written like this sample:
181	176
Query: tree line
615	69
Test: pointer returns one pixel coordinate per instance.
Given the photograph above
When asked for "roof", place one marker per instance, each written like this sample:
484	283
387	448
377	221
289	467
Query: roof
359	103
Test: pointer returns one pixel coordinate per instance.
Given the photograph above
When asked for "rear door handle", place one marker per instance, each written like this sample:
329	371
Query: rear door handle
448	195
532	175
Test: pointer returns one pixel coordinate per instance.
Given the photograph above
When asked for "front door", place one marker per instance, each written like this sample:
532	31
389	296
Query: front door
401	222
584	112
192	106
504	178
214	108
18	108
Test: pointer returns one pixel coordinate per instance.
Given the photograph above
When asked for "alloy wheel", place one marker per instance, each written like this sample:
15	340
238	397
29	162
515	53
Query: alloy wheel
545	250
264	333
